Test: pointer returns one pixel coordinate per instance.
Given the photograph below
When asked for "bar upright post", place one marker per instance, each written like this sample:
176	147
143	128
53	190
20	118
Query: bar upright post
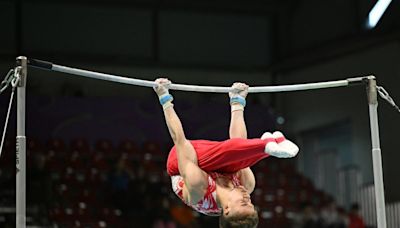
21	69
376	152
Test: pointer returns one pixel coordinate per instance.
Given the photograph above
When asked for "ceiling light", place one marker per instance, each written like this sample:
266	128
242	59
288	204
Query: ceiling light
376	13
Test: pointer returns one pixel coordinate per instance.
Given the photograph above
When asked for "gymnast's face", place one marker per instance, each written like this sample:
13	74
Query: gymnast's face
239	203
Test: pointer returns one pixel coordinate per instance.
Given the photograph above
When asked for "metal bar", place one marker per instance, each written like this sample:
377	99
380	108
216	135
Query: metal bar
376	153
197	88
21	146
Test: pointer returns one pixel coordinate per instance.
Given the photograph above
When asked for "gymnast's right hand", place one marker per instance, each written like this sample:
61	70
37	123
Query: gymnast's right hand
239	89
161	86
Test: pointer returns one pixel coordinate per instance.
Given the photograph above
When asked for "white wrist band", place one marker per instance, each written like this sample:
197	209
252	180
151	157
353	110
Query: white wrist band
167	105
237	107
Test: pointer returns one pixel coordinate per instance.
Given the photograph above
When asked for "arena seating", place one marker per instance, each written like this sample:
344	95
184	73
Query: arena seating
76	184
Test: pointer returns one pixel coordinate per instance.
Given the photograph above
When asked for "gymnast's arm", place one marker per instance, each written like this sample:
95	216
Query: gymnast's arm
196	180
237	129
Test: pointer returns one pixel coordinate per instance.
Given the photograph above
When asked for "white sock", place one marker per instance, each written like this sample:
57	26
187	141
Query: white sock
288	146
285	150
271	147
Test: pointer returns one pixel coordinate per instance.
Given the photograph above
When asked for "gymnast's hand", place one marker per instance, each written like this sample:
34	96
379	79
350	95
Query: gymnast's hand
161	87
238	96
240	89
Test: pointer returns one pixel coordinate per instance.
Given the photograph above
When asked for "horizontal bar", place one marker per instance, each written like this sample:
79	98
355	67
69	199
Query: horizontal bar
196	88
40	64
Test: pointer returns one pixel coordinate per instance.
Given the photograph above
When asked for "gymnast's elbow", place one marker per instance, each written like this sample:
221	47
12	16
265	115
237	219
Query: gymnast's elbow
196	182
197	188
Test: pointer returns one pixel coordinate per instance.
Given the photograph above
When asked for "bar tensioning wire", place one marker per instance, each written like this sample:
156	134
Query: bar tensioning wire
194	88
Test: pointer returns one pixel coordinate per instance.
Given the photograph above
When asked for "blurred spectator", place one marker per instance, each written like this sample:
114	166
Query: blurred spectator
307	218
183	215
39	180
163	219
329	215
355	220
343	219
39	184
159	223
332	217
119	183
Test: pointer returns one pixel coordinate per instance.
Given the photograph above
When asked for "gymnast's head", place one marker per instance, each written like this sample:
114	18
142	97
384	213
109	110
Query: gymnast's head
238	211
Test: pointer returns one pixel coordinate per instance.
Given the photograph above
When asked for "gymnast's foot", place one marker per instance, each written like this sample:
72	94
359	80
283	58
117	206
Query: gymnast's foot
286	144
279	146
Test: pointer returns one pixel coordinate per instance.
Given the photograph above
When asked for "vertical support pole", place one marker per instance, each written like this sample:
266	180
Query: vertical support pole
21	145
376	152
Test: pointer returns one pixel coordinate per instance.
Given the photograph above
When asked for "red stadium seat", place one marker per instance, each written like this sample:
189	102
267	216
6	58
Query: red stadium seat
33	145
104	145
87	195
111	216
152	151
99	162
56	144
93	177
128	146
81	145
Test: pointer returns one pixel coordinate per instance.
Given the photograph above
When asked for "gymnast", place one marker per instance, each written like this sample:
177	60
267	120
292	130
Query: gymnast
214	178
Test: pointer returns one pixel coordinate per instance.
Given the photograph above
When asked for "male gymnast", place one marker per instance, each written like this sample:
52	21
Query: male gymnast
214	178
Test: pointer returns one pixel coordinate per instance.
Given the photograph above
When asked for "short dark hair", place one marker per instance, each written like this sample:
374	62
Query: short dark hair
242	221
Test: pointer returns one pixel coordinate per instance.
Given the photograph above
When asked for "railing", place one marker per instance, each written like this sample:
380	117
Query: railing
368	209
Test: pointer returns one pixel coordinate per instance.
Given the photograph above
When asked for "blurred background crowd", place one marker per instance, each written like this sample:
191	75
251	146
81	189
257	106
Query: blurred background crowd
127	186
